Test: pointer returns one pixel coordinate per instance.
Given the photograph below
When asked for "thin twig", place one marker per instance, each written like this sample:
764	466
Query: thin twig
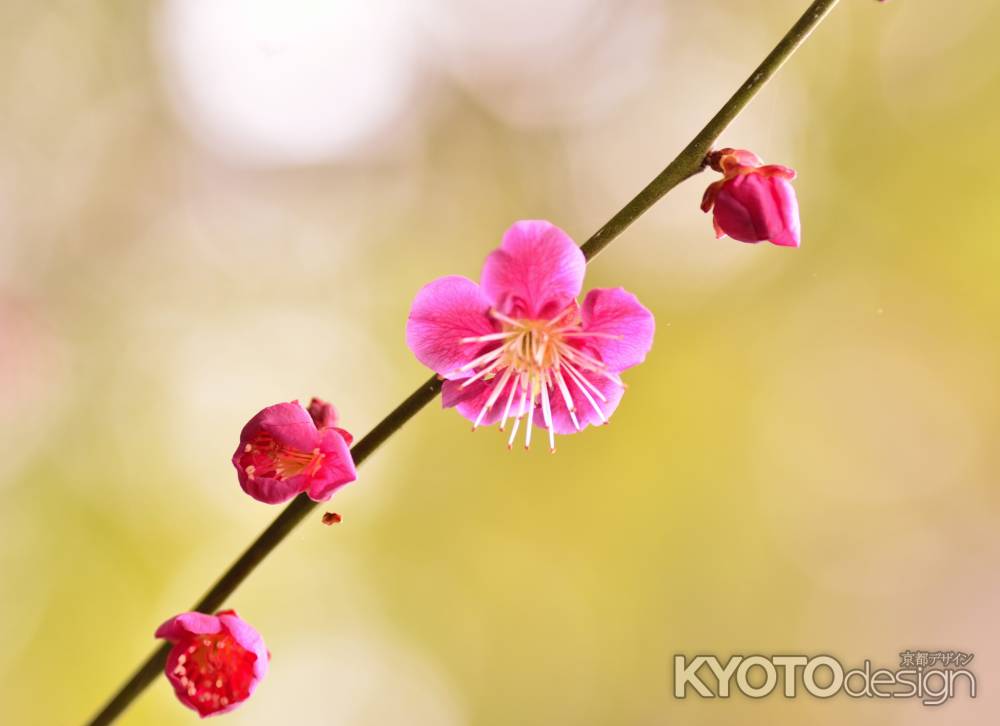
687	163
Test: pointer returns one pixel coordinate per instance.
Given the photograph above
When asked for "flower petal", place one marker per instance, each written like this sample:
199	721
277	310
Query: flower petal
336	469
469	401
785	172
562	422
788	204
754	207
536	272
272	490
708	198
617	312
288	423
444	312
744	209
248	637
348	437
188	623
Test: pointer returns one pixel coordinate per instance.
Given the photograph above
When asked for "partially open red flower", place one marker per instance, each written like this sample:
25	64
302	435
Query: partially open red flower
285	450
216	662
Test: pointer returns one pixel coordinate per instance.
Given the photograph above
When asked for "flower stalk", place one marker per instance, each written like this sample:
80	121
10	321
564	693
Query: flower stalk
690	161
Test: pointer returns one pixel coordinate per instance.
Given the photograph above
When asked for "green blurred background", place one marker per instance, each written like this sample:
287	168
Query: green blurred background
208	206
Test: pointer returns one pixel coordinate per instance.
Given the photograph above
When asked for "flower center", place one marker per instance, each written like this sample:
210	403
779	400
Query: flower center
215	670
534	360
532	348
266	458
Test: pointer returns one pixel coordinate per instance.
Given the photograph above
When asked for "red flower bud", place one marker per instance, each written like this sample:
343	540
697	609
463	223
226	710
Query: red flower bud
753	202
324	415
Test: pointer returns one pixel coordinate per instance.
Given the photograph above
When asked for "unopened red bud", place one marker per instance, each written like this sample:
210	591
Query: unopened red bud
323	414
752	202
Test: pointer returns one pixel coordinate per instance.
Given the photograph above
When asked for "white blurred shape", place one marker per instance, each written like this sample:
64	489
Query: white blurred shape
286	82
552	63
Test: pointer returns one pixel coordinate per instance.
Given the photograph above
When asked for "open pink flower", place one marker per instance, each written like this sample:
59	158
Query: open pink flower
753	202
216	662
520	345
285	450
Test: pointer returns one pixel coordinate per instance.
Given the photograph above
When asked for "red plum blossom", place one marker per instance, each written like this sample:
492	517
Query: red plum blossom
216	661
519	346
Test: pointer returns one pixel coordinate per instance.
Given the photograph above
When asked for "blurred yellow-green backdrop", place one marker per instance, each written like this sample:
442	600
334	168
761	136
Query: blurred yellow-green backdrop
208	206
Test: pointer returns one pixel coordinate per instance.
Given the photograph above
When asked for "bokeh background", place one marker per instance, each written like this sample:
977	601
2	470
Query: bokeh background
208	206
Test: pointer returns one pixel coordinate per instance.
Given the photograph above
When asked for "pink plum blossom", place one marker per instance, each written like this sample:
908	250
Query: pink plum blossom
753	202
285	450
216	661
519	346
